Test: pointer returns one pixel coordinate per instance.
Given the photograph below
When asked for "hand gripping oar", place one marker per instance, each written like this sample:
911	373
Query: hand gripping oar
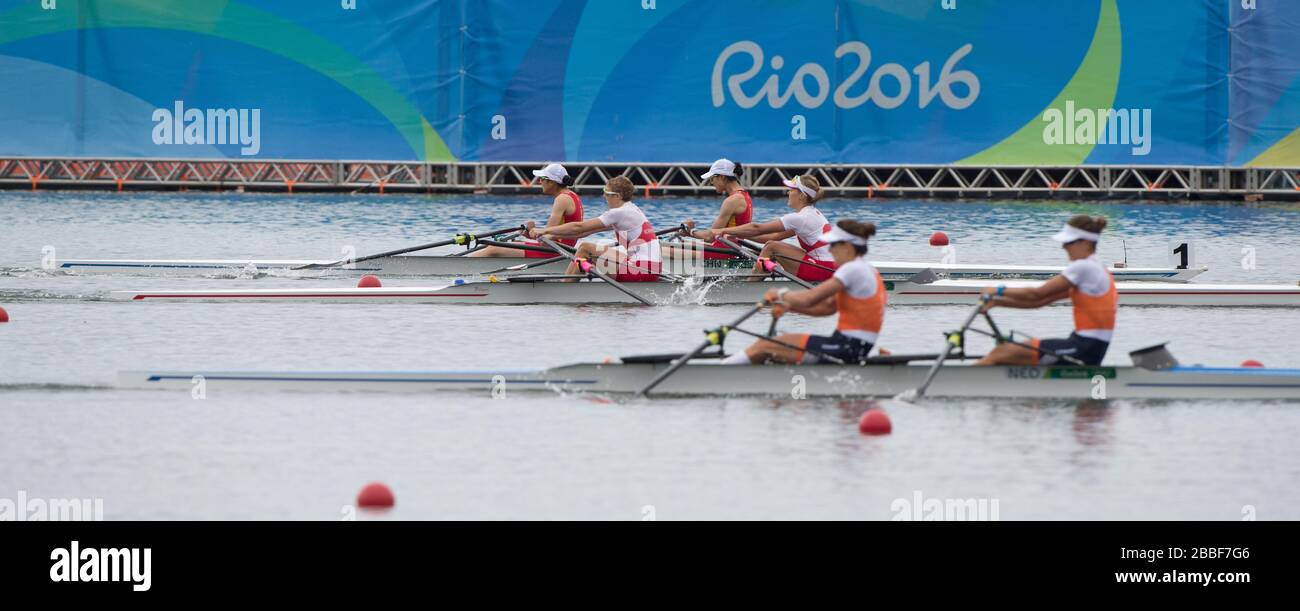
768	264
713	337
588	268
461	239
951	340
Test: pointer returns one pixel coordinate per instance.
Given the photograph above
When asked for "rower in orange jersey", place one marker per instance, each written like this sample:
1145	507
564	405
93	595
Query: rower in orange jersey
1091	290
855	292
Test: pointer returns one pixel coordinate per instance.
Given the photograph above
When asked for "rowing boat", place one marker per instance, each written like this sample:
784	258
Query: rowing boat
711	378
716	290
445	265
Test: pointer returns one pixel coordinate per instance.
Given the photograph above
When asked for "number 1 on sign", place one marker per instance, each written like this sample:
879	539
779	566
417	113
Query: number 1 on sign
1182	254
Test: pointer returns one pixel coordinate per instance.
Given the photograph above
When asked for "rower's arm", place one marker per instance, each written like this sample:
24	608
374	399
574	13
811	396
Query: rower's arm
559	208
773	237
750	230
1029	298
816	301
577	229
732	206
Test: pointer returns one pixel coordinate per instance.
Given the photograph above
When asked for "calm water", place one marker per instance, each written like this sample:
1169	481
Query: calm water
65	432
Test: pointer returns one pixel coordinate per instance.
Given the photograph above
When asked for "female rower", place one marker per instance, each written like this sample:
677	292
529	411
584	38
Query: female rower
566	207
811	260
856	291
1091	290
737	206
635	248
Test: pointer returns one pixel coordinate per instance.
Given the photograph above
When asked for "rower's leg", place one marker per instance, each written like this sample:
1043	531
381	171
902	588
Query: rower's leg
586	250
763	351
497	251
776	247
1009	354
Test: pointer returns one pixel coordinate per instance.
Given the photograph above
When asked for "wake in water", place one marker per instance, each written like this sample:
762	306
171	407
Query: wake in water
694	291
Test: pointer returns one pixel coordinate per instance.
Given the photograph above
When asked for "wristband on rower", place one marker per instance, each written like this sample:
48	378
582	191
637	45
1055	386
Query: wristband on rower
780	295
1002	288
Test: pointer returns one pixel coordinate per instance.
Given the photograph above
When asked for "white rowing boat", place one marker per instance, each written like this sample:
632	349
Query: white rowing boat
714	291
445	265
711	378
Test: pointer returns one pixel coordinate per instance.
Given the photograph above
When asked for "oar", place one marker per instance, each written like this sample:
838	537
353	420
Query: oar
587	267
462	239
950	341
518	246
523	266
712	337
771	268
465	253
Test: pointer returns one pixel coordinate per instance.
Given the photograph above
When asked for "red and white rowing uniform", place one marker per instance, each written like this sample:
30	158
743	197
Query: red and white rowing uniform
640	258
808	226
572	217
745	217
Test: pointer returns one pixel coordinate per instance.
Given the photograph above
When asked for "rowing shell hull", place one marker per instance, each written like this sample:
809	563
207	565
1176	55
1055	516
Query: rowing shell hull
476	266
712	379
943	292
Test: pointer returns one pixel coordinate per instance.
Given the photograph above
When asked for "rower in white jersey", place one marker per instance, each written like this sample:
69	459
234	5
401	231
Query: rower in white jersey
634	256
811	260
1091	290
856	292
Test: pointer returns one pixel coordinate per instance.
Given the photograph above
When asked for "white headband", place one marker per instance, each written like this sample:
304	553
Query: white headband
839	235
1070	233
798	184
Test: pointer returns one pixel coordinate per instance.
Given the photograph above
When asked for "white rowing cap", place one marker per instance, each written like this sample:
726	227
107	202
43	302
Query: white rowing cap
721	167
553	172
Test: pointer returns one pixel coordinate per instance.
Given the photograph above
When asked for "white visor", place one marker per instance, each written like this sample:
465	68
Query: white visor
1070	233
721	167
839	235
798	184
553	172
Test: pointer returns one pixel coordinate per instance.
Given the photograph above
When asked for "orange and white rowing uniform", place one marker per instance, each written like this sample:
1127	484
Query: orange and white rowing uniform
639	253
808	226
745	217
1096	304
861	307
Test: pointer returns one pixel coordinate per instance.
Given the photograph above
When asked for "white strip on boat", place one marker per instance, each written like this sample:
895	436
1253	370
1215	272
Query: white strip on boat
712	378
720	290
413	265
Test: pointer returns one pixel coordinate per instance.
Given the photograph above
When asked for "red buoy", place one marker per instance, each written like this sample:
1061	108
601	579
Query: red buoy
875	422
375	495
1251	363
4	316
369	281
938	238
